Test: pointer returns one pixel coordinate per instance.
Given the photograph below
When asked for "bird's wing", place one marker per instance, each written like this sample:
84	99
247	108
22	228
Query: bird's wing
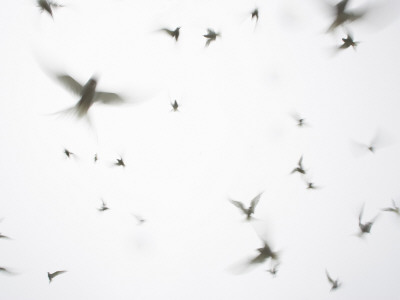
208	42
168	31
57	273
300	162
239	205
255	201
329	277
108	98
70	83
210	31
341	6
361	214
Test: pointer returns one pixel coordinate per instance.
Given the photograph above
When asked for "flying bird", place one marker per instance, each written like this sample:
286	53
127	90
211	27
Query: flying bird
52	275
172	33
6	271
87	93
120	162
68	153
264	253
394	209
211	35
103	206
95	158
365	227
348	42
48	6
334	283
299	167
250	210
343	16
254	14
4	237
273	270
139	219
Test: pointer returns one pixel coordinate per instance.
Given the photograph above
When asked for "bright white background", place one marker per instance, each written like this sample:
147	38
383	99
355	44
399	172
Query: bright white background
233	137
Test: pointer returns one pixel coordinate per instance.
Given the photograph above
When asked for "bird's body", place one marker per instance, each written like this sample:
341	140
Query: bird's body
95	158
103	206
172	33
264	253
68	153
52	275
254	14
48	6
348	42
365	227
250	210
211	35
120	162
273	270
175	106
334	283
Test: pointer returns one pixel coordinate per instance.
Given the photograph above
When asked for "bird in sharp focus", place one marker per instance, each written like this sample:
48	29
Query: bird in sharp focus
172	33
250	210
211	35
334	283
52	275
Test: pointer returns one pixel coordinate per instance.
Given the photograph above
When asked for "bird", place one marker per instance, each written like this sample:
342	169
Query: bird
250	210
311	186
299	167
175	106
47	6
343	16
172	33
273	270
365	227
334	283
211	35
4	237
139	219
394	209
88	95
52	275
120	162
68	153
348	42
264	253
103	206
95	158
6	271
254	14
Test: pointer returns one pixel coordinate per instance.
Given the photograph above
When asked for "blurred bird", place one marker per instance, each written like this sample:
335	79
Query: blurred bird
380	140
348	41
247	211
310	185
264	253
172	33
254	14
394	209
120	162
95	158
47	6
103	206
88	95
211	36
6	271
343	16
139	219
334	283
68	153
52	275
273	270
366	227
300	120
4	237
175	106
299	168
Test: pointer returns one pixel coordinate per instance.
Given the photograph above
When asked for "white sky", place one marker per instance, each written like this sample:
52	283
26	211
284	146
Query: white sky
233	137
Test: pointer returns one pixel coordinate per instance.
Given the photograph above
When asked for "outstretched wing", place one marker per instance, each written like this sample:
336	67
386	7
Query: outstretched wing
255	201
70	83
329	277
108	98
239	205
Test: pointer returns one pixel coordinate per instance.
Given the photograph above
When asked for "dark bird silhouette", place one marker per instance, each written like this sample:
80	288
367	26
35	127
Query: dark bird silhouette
172	33
52	275
343	16
48	6
120	162
103	206
175	106
395	209
6	271
334	283
348	42
299	167
311	186
211	36
68	153
250	210
88	95
365	227
264	253
254	14
95	158
4	237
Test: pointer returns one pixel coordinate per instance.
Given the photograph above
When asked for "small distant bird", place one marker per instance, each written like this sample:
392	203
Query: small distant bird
47	6
343	16
175	106
139	219
88	95
310	185
95	158
264	253
348	42
379	140
52	275
365	227
4	237
394	209
247	211
103	206
120	162
68	153
299	167
6	271
254	14
334	283
172	33
273	270
211	36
